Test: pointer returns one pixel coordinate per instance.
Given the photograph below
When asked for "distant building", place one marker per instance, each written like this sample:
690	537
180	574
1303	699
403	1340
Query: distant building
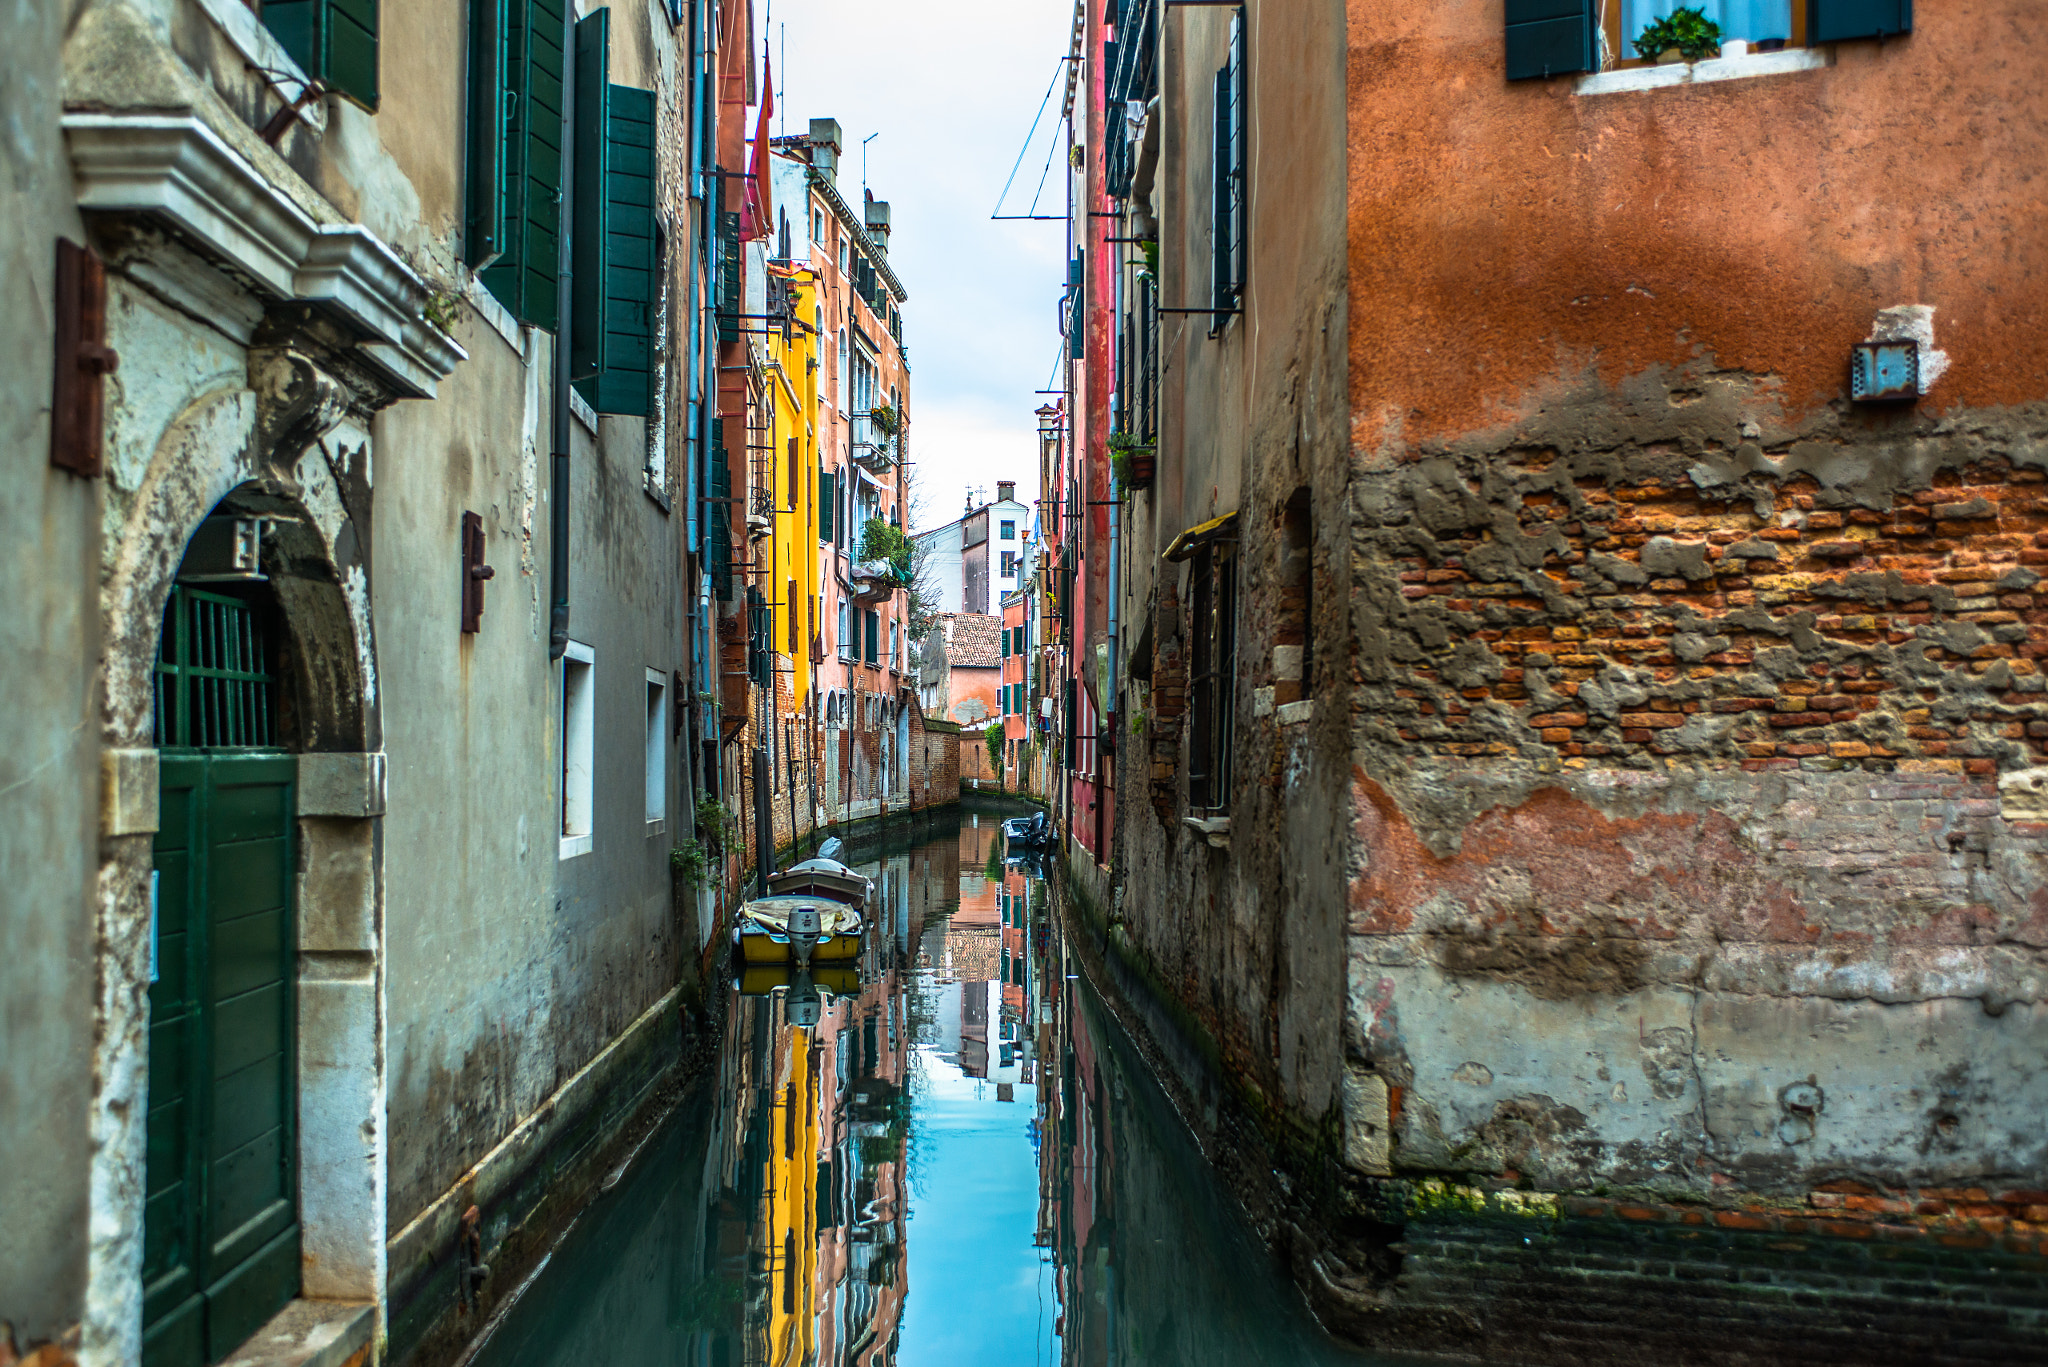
959	676
974	560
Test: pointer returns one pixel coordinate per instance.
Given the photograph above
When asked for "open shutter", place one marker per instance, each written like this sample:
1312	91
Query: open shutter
1220	207
1833	21
718	522
591	168
730	303
1549	37
631	278
333	40
484	235
523	277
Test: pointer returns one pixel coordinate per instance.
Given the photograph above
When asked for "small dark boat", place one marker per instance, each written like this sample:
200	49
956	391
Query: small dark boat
1032	832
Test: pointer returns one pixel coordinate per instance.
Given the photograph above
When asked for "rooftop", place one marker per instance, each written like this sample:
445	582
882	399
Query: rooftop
974	640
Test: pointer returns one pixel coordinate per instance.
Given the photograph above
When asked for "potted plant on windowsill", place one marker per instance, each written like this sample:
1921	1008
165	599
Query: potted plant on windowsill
1130	460
1684	35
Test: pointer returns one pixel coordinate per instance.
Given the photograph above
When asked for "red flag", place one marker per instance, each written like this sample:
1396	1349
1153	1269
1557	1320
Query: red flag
757	214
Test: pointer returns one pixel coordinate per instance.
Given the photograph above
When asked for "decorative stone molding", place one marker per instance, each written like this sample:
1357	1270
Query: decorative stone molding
175	169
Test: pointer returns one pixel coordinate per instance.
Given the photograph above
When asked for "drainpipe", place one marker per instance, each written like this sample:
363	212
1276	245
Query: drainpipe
558	482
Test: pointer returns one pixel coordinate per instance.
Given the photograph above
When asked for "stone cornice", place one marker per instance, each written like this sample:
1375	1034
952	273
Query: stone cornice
175	169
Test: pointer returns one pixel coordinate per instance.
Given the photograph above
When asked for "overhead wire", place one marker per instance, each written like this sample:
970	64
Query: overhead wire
1036	119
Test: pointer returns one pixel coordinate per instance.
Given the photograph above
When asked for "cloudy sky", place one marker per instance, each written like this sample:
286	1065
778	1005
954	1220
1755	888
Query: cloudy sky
949	91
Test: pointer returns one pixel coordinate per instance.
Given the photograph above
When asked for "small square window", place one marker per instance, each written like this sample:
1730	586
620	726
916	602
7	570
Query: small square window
1009	531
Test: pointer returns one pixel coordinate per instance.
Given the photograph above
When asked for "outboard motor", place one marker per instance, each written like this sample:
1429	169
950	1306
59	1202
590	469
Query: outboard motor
804	929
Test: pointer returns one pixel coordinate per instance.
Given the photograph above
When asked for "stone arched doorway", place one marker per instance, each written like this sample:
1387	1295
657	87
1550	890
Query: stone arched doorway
239	1146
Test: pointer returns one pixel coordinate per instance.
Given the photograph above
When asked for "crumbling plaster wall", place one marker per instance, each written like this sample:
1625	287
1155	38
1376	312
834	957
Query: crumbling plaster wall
1696	712
49	770
1237	935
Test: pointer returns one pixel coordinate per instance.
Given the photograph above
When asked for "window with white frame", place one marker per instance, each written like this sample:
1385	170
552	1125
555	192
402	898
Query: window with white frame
657	747
846	646
842	377
579	745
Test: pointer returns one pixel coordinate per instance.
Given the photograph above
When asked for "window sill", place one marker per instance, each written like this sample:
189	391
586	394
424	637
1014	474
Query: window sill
585	414
266	56
657	826
574	845
1214	829
309	1333
1697	73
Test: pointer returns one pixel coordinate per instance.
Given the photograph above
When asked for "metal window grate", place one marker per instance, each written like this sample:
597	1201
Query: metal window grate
215	689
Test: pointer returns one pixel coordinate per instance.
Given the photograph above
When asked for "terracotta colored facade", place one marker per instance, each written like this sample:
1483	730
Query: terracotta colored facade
1585	747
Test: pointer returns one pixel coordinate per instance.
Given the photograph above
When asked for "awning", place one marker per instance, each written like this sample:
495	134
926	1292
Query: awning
1222	528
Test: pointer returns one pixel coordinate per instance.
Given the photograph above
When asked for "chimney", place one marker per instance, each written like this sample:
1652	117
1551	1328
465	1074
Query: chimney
1006	491
825	148
878	224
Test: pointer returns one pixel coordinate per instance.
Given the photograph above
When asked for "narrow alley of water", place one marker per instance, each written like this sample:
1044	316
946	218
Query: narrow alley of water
948	1154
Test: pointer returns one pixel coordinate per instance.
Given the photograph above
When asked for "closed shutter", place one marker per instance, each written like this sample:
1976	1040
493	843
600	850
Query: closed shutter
1833	21
530	114
333	40
730	303
828	494
718	525
1549	38
874	637
1077	306
789	602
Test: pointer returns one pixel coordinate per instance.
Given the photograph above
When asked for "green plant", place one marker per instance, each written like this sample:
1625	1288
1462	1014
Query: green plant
884	418
692	863
993	738
1150	270
711	819
1123	450
441	307
1687	29
880	540
1137	723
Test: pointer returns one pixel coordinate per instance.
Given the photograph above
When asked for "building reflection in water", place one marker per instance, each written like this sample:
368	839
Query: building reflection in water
960	1074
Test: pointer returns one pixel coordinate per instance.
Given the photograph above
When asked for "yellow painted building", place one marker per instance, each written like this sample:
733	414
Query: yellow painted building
793	374
791	1196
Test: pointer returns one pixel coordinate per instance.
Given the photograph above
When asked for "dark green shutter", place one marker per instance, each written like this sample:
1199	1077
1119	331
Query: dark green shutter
626	384
730	299
484	238
333	40
828	494
523	278
1833	21
592	166
718	526
1549	38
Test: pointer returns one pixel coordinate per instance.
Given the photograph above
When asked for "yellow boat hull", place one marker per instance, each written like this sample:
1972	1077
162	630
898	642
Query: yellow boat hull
760	947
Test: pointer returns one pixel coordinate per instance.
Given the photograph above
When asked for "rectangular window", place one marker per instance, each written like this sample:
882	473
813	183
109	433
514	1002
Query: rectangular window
1212	676
828	495
579	739
874	653
846	641
1009	530
1009	564
1228	173
331	40
657	747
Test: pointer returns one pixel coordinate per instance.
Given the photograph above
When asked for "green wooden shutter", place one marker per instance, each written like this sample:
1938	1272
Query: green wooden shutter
828	503
718	525
333	40
591	170
523	278
484	235
1832	21
626	384
1549	38
730	295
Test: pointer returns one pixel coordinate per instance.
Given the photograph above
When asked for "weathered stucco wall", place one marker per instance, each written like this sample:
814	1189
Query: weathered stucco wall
1238	934
49	769
1694	845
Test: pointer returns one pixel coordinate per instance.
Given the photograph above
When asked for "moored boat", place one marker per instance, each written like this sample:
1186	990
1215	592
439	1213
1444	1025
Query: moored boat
814	913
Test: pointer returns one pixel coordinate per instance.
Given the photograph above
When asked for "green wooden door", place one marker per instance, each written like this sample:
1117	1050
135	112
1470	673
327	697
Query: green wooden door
220	1225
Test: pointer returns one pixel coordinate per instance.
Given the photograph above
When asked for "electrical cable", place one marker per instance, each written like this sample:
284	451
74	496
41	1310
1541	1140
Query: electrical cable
1035	119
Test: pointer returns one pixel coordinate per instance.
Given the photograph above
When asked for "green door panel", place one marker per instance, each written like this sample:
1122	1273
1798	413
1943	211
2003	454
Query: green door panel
221	1240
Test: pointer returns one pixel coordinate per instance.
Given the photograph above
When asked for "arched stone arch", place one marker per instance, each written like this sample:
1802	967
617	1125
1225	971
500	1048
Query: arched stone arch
293	448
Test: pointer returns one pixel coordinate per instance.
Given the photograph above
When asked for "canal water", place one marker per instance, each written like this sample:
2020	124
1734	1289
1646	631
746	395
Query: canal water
948	1155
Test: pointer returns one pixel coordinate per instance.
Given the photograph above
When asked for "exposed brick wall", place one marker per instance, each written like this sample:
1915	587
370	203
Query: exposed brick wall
1592	1280
1648	624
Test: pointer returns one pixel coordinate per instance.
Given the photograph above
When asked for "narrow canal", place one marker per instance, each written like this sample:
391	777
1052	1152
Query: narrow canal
949	1155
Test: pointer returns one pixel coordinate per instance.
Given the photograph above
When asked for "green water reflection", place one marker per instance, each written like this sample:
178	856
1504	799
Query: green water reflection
952	1157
